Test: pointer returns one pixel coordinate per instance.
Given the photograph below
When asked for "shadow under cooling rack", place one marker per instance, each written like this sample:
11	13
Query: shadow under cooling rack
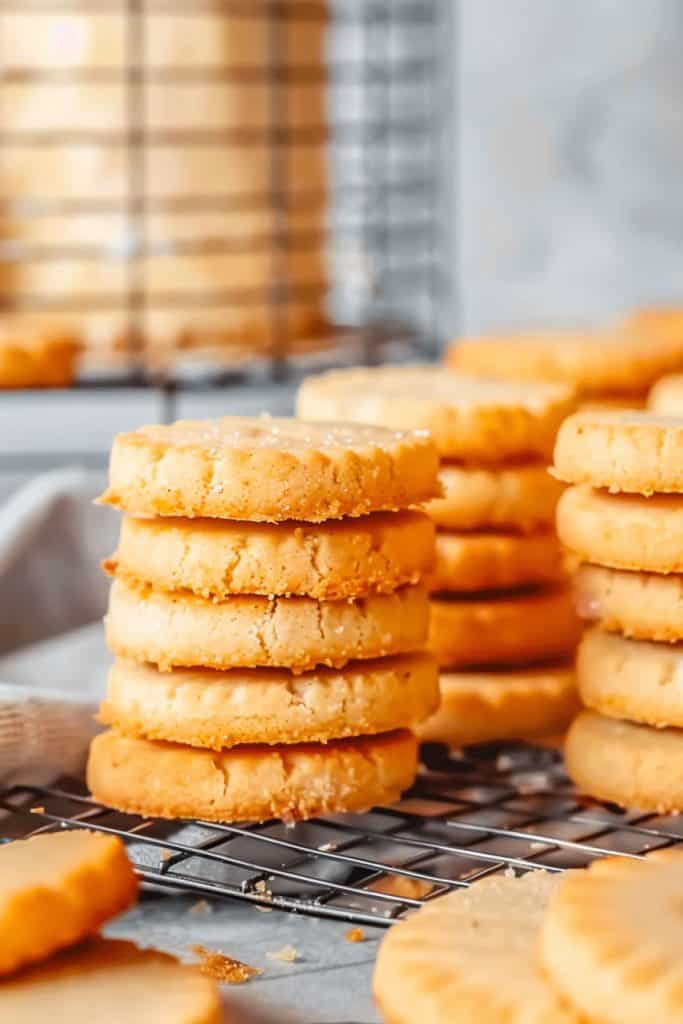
490	809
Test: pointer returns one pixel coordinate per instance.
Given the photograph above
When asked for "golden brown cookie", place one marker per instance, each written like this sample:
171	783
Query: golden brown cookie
478	707
619	361
626	764
468	562
642	605
108	981
247	632
219	557
211	709
250	783
57	888
471	419
512	628
666	396
506	497
633	679
269	470
622	531
637	452
34	359
612	939
471	958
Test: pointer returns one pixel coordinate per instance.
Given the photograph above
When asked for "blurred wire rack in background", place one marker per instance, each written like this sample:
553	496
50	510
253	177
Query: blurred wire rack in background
227	189
493	808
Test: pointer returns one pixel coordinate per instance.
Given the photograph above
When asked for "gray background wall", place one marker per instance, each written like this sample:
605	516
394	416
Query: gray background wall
570	158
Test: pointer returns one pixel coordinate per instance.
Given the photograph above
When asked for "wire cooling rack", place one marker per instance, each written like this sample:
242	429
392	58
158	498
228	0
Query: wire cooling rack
489	809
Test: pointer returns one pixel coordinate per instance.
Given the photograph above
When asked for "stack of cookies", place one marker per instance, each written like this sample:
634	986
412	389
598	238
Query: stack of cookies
267	618
502	620
609	367
623	519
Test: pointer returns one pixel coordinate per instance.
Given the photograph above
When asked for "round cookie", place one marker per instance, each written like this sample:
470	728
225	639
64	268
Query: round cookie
612	939
506	629
637	452
218	557
472	419
211	709
56	889
248	632
506	497
109	981
468	562
625	763
269	470
633	679
638	604
478	707
666	397
472	956
250	783
597	362
622	531
33	359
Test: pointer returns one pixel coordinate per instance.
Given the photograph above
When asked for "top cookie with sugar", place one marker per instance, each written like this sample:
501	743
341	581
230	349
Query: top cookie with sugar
472	419
269	470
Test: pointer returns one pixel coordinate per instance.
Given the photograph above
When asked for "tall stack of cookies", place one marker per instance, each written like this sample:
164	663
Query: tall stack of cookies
267	619
609	367
623	518
502	622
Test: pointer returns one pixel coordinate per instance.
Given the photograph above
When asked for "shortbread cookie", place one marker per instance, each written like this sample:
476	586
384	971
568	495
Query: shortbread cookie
218	557
468	562
110	981
627	764
211	709
666	397
470	418
269	470
471	956
622	531
505	497
633	679
247	632
641	605
637	452
32	359
250	783
477	707
612	939
508	629
57	888
598	362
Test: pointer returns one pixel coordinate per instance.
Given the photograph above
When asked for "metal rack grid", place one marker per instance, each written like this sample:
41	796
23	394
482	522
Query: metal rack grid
504	807
384	191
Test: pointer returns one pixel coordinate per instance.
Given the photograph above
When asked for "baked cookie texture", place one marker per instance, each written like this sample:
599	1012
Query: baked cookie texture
472	419
36	359
622	531
56	889
269	470
244	631
636	452
472	955
88	984
519	497
478	707
666	396
217	710
476	561
250	783
217	558
642	605
612	936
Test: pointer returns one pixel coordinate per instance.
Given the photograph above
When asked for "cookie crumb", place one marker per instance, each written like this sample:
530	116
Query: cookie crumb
165	855
355	935
224	968
37	810
287	954
263	910
201	907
